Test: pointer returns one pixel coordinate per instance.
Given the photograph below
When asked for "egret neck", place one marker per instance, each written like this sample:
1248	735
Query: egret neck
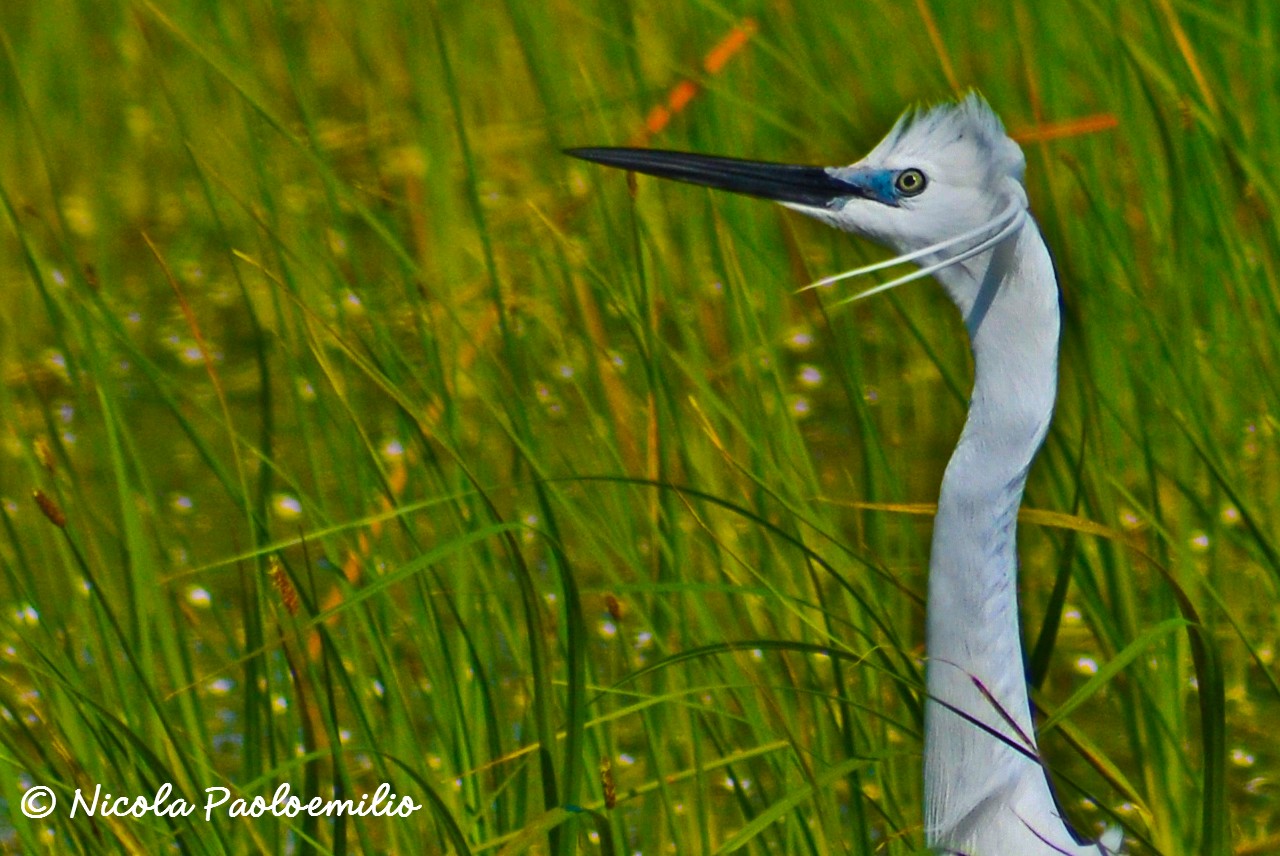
971	789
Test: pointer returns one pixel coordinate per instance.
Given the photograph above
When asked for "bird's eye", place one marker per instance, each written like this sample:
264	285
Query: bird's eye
910	182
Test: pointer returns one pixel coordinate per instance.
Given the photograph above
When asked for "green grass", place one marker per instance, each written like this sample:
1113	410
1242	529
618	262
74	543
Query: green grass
303	308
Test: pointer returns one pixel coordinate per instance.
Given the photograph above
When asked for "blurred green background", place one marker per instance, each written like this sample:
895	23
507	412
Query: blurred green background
352	434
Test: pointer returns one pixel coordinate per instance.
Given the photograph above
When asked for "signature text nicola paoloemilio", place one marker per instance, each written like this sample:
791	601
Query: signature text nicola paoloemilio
281	803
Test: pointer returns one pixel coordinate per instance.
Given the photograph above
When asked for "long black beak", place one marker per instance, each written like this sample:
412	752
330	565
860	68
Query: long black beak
813	186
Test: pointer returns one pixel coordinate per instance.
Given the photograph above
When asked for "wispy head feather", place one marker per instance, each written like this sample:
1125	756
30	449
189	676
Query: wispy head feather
973	197
967	137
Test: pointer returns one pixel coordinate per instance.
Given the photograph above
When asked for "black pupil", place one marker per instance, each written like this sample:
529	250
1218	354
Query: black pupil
910	180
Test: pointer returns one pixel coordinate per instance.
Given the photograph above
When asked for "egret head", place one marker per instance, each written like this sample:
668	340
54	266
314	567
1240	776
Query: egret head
944	186
938	174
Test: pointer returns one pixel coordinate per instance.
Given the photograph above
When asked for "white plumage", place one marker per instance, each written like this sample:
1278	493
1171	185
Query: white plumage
944	189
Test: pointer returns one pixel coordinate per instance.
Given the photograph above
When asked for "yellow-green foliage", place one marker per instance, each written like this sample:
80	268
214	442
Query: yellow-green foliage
394	446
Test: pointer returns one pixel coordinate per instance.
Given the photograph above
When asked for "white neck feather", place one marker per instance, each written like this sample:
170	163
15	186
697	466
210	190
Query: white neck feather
982	796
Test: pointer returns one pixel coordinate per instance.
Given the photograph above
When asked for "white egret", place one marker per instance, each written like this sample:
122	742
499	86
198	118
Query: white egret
944	190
